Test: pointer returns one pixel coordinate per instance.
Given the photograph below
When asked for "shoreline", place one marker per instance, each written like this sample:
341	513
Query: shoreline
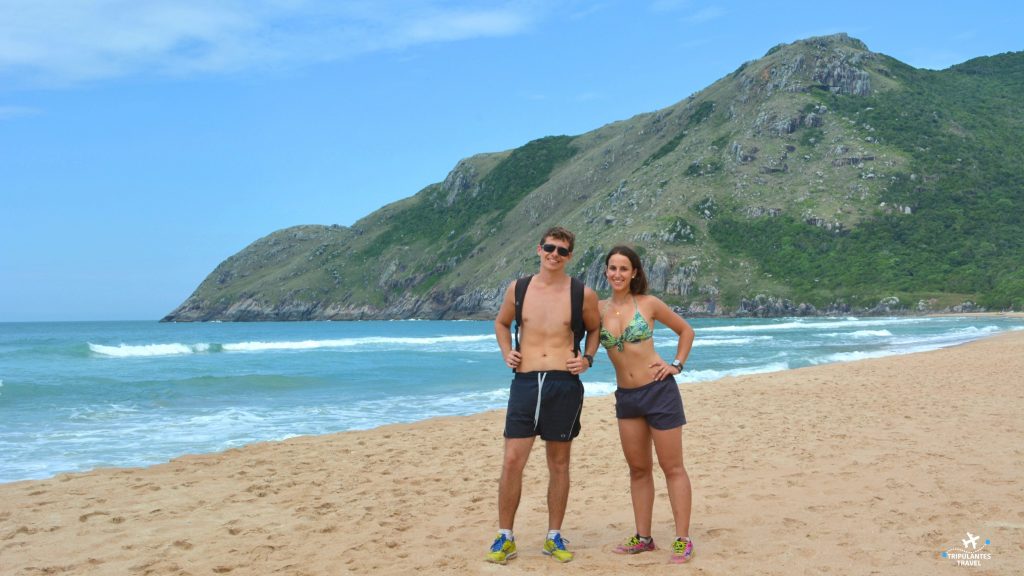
864	314
798	311
979	314
875	465
1006	323
857	314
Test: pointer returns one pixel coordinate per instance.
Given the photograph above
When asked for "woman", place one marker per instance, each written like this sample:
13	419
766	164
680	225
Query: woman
647	401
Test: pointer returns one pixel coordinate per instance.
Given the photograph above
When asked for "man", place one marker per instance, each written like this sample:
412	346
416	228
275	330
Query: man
546	397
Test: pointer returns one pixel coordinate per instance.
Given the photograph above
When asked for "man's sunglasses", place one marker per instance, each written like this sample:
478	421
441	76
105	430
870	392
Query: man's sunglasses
549	248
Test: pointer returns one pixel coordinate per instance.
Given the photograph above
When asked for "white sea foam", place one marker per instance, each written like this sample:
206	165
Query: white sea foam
924	343
232	415
870	333
598	388
102	412
702	341
177	348
814	325
859	334
852	356
758	327
705	375
130	351
727	341
378	341
912	344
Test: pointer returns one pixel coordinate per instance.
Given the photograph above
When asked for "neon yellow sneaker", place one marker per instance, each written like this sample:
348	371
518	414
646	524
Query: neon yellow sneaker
635	545
682	550
555	547
502	550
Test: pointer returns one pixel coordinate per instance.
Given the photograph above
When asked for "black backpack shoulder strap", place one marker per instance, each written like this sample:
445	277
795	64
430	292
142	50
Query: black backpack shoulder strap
576	300
521	285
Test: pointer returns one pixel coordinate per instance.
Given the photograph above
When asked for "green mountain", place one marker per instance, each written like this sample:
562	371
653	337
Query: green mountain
822	173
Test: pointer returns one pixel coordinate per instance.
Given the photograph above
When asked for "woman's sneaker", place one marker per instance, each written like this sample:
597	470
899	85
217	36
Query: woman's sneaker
555	547
502	550
635	545
682	550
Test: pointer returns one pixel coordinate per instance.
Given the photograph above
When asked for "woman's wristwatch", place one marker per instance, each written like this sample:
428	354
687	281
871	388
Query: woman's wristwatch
589	359
678	366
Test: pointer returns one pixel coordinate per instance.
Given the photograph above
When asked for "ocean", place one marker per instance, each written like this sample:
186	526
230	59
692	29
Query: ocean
80	395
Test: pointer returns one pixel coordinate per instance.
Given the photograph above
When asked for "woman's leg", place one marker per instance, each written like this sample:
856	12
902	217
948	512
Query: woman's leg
669	446
636	446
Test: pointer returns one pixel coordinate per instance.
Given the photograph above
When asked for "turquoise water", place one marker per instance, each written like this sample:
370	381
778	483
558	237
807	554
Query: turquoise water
75	396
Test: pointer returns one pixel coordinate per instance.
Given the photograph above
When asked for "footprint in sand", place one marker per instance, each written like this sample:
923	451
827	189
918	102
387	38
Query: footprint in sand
793	523
714	533
86	517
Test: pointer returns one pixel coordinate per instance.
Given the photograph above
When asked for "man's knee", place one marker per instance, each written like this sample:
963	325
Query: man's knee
558	454
517	452
513	464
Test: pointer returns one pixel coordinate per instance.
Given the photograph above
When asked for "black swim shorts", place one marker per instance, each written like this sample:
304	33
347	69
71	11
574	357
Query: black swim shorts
545	404
659	402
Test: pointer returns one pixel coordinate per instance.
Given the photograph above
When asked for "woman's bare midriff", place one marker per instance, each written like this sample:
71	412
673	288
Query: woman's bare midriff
632	365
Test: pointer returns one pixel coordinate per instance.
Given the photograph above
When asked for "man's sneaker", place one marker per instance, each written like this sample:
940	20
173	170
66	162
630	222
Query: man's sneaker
635	545
682	550
555	547
502	550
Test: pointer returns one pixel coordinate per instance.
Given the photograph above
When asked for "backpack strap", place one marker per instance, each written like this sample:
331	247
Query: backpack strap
576	299
521	285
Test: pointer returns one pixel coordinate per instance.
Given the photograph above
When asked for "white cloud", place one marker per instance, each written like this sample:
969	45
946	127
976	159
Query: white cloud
440	26
66	41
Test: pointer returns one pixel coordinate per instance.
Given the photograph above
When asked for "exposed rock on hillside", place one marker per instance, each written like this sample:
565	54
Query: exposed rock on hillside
820	174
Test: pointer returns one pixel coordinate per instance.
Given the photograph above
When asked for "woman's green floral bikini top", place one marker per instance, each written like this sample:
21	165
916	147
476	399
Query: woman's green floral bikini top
637	331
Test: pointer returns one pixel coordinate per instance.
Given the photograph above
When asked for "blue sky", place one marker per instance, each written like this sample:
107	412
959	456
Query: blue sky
142	142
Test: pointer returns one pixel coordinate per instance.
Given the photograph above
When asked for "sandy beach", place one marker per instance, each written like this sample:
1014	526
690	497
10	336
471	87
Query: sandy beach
869	467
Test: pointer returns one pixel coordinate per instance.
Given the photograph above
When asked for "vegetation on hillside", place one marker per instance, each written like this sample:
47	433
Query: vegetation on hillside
431	220
964	234
775	180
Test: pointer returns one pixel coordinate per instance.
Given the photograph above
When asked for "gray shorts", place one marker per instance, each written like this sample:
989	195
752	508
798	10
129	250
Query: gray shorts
659	402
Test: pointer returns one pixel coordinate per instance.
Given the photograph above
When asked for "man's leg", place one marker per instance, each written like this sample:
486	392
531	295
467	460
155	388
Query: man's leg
510	487
558	498
558	481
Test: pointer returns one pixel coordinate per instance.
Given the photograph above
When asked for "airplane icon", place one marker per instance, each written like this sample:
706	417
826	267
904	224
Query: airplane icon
971	541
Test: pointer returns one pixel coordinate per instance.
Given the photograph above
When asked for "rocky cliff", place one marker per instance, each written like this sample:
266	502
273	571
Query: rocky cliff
798	154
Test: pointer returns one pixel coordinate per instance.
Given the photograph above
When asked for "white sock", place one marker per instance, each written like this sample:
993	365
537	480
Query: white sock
507	533
553	533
